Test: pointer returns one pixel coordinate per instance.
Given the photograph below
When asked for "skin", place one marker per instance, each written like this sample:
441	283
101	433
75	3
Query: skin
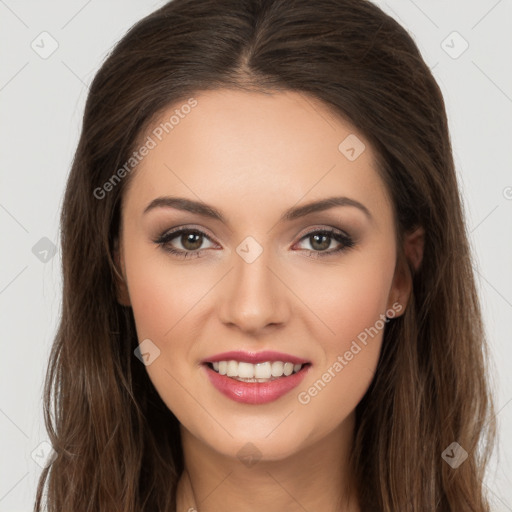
252	156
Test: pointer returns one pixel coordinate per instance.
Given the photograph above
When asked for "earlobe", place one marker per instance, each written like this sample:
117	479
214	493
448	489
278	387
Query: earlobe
122	294
409	261
400	289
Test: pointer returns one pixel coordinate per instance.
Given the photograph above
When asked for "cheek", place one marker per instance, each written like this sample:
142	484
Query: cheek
357	303
163	302
162	295
348	299
155	306
351	302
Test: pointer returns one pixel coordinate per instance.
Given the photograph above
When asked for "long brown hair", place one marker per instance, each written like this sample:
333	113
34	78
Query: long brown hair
117	445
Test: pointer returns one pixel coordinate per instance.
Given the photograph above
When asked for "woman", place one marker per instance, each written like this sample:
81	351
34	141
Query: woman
268	295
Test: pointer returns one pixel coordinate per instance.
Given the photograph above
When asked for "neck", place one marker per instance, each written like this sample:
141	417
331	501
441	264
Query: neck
316	477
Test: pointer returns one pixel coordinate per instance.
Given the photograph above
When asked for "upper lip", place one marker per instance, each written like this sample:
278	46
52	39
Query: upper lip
254	357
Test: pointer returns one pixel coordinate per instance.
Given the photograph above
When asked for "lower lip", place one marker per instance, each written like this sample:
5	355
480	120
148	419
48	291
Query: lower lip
255	392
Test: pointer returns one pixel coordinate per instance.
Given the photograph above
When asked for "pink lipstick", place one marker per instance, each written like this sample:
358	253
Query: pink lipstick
255	377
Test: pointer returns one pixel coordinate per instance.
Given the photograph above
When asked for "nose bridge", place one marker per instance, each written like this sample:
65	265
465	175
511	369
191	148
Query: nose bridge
254	296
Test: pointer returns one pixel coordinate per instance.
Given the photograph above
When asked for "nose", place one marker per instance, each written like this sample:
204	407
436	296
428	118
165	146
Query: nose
254	297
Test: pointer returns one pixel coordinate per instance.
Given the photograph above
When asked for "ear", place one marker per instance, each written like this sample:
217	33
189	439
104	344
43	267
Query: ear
408	262
123	297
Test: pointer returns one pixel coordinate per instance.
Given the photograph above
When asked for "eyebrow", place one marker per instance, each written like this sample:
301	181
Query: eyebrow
200	208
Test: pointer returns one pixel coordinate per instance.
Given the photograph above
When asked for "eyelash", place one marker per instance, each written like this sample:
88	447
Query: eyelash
164	240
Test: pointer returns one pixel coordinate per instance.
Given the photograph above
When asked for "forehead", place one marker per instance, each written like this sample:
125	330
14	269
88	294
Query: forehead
256	148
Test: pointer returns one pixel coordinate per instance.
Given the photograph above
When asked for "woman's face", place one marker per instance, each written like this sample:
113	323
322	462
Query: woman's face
262	278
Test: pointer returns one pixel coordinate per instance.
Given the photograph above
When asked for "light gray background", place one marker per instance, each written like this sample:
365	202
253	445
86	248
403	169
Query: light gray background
41	107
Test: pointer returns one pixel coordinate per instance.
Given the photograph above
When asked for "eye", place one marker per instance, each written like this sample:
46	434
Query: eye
190	240
321	239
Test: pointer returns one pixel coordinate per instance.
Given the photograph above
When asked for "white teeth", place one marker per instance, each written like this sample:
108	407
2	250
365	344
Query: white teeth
245	370
232	370
259	372
277	368
262	370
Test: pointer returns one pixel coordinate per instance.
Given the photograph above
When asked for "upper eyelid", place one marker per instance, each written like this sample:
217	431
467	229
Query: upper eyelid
180	229
328	229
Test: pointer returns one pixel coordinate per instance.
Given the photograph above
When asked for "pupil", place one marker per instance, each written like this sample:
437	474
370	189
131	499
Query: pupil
322	246
188	240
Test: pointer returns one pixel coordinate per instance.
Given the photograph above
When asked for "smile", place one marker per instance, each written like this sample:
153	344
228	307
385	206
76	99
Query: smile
255	378
260	372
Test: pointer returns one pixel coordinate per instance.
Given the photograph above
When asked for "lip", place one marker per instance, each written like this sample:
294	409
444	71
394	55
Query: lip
255	392
255	357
